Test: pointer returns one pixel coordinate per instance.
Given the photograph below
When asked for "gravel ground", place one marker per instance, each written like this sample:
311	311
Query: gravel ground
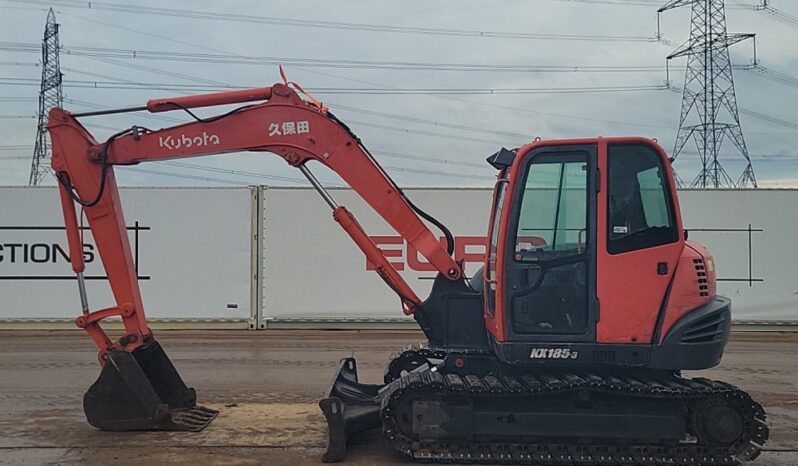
267	384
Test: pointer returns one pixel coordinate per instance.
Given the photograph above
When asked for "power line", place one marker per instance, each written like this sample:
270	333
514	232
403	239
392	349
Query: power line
387	115
645	3
538	112
185	176
113	79
106	54
764	7
767	118
444	97
774	75
97	53
424	133
390	115
346	26
381	153
402	117
132	85
133	54
18	99
761	156
774	13
355	109
780	16
449	98
220	16
489	91
428	159
280	178
760	116
153	70
242	173
375	125
437	173
107	128
524	110
26	148
424	121
374	113
18	63
135	85
302	181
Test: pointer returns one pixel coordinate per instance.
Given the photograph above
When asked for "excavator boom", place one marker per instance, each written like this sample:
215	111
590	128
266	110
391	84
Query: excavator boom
285	124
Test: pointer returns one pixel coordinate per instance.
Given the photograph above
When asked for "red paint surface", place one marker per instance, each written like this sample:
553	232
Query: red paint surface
286	125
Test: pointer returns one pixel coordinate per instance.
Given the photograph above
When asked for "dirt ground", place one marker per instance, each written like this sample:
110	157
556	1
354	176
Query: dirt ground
267	384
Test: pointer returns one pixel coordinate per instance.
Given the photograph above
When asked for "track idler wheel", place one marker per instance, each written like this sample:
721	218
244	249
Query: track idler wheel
402	364
351	407
718	423
141	390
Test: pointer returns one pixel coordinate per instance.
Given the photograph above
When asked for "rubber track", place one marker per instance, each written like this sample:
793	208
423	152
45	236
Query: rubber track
665	386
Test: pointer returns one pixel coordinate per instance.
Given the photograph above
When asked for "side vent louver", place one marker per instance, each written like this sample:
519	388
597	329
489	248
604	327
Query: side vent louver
701	271
705	330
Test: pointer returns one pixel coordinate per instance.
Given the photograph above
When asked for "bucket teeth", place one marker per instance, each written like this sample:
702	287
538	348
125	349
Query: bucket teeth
141	390
194	419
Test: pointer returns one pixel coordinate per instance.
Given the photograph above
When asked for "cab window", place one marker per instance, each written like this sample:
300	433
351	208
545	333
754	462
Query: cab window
553	216
490	273
639	210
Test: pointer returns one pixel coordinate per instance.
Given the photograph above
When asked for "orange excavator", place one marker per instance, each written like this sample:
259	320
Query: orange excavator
566	348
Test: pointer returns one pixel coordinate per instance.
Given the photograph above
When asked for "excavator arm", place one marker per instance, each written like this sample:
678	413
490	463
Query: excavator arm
280	122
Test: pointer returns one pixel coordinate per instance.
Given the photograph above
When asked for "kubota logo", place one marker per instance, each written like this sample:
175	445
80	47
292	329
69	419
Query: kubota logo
186	142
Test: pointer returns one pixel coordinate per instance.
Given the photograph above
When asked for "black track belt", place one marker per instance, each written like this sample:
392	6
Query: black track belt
663	386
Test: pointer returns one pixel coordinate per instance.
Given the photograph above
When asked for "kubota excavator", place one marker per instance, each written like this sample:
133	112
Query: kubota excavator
566	348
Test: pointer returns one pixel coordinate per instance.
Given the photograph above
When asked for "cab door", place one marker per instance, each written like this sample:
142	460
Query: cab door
549	255
639	240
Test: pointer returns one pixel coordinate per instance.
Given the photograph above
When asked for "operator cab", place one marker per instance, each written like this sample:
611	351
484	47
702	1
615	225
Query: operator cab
564	208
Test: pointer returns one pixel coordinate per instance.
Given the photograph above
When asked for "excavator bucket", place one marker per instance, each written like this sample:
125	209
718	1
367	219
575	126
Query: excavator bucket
141	390
351	407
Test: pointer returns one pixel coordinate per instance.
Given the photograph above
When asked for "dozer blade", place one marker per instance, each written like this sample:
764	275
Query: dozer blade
141	390
350	408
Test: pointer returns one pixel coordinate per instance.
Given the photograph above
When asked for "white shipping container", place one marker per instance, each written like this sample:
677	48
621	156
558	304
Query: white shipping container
312	269
313	272
199	254
192	247
757	269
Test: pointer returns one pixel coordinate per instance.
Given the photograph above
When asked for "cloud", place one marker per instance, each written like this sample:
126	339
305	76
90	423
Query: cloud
648	113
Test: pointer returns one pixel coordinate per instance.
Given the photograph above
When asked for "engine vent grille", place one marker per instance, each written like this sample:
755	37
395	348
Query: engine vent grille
701	271
705	330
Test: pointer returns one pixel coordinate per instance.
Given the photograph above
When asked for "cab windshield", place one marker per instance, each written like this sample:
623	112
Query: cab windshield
553	217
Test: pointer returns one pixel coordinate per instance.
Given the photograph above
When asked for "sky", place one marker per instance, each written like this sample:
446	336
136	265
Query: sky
422	139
